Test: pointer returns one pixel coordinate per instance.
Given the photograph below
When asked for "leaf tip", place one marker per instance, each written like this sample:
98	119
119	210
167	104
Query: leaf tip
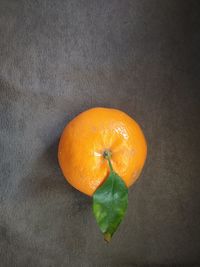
107	237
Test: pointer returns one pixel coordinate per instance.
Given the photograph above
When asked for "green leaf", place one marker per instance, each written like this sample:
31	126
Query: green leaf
110	203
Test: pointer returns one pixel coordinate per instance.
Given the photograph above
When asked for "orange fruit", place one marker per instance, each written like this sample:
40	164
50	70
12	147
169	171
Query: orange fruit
86	138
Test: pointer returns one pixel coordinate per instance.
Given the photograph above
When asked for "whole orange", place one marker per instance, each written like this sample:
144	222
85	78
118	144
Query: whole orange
86	138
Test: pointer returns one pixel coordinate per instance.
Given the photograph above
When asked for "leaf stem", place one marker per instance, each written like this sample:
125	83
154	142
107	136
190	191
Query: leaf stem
107	155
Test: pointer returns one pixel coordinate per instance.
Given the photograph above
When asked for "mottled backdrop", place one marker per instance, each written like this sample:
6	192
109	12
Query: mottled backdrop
60	57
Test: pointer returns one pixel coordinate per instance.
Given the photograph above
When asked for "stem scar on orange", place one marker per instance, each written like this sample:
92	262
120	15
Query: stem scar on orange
101	153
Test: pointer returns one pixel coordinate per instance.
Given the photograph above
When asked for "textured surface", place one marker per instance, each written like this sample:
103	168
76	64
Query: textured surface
58	58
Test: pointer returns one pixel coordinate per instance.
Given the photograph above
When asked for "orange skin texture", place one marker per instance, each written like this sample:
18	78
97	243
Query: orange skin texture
84	141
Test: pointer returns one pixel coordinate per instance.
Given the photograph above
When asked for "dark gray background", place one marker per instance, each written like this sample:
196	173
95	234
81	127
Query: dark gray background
58	58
